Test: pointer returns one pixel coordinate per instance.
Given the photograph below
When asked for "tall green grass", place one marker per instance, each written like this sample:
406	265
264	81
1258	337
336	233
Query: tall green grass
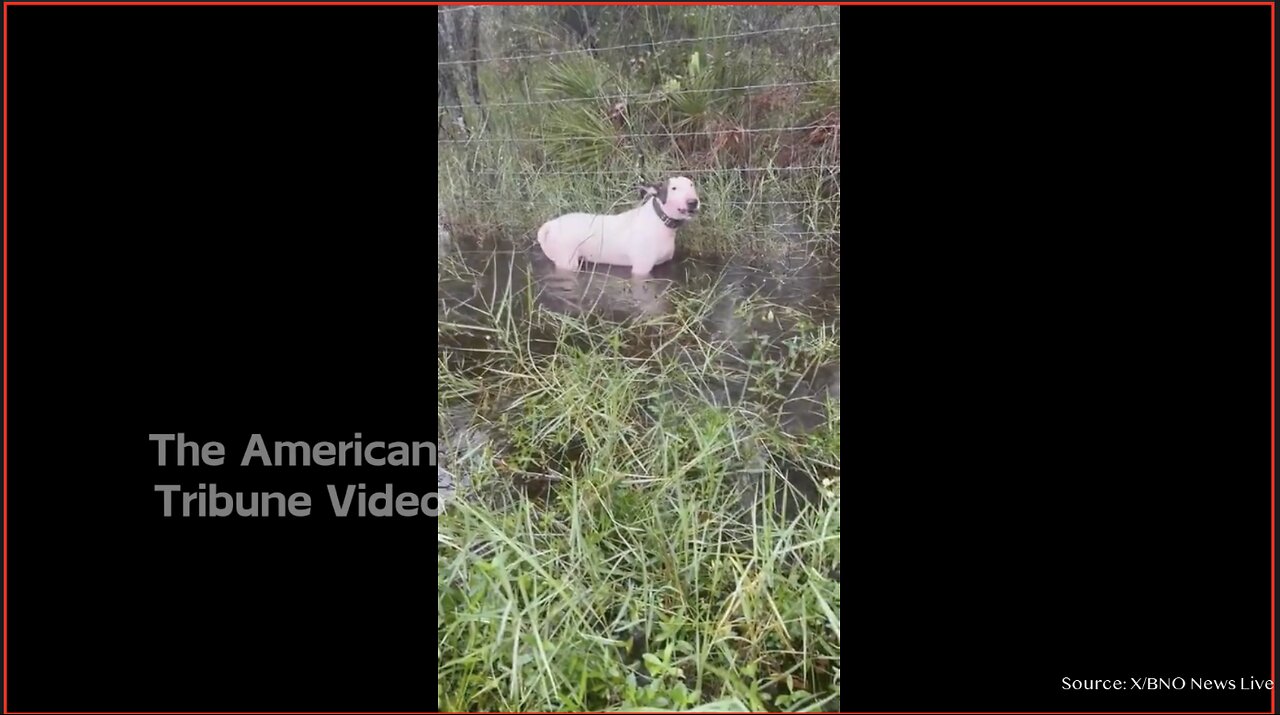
579	131
638	526
637	535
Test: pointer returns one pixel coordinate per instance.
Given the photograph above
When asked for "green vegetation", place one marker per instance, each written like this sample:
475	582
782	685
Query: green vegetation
746	101
662	516
641	521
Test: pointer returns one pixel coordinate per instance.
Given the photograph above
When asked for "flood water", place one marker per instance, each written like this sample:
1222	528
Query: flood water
794	298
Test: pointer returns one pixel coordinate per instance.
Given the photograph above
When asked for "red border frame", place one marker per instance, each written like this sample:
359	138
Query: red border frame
1271	4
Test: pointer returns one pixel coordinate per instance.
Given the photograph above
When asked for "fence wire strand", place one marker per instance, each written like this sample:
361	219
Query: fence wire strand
643	95
654	43
762	202
658	135
833	168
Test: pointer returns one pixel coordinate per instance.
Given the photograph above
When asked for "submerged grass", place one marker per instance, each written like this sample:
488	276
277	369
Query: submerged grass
640	530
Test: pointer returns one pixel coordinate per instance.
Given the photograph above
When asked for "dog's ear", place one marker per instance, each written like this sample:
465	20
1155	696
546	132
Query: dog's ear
647	190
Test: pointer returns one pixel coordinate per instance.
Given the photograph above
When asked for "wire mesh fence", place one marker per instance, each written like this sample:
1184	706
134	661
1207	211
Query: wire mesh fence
542	110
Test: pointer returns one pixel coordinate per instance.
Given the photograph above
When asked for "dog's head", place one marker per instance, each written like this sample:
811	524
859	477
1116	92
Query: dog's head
677	196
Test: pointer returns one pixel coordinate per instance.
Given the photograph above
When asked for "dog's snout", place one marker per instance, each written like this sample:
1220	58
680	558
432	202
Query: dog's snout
693	203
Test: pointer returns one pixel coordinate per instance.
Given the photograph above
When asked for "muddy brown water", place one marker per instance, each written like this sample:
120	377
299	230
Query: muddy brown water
806	289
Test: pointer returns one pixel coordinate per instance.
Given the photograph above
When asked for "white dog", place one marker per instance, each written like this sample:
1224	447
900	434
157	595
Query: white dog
641	238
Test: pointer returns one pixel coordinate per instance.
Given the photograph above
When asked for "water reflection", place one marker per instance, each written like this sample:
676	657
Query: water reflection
752	312
612	292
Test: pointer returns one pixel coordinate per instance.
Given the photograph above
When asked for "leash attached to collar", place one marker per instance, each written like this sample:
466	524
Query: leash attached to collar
666	220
